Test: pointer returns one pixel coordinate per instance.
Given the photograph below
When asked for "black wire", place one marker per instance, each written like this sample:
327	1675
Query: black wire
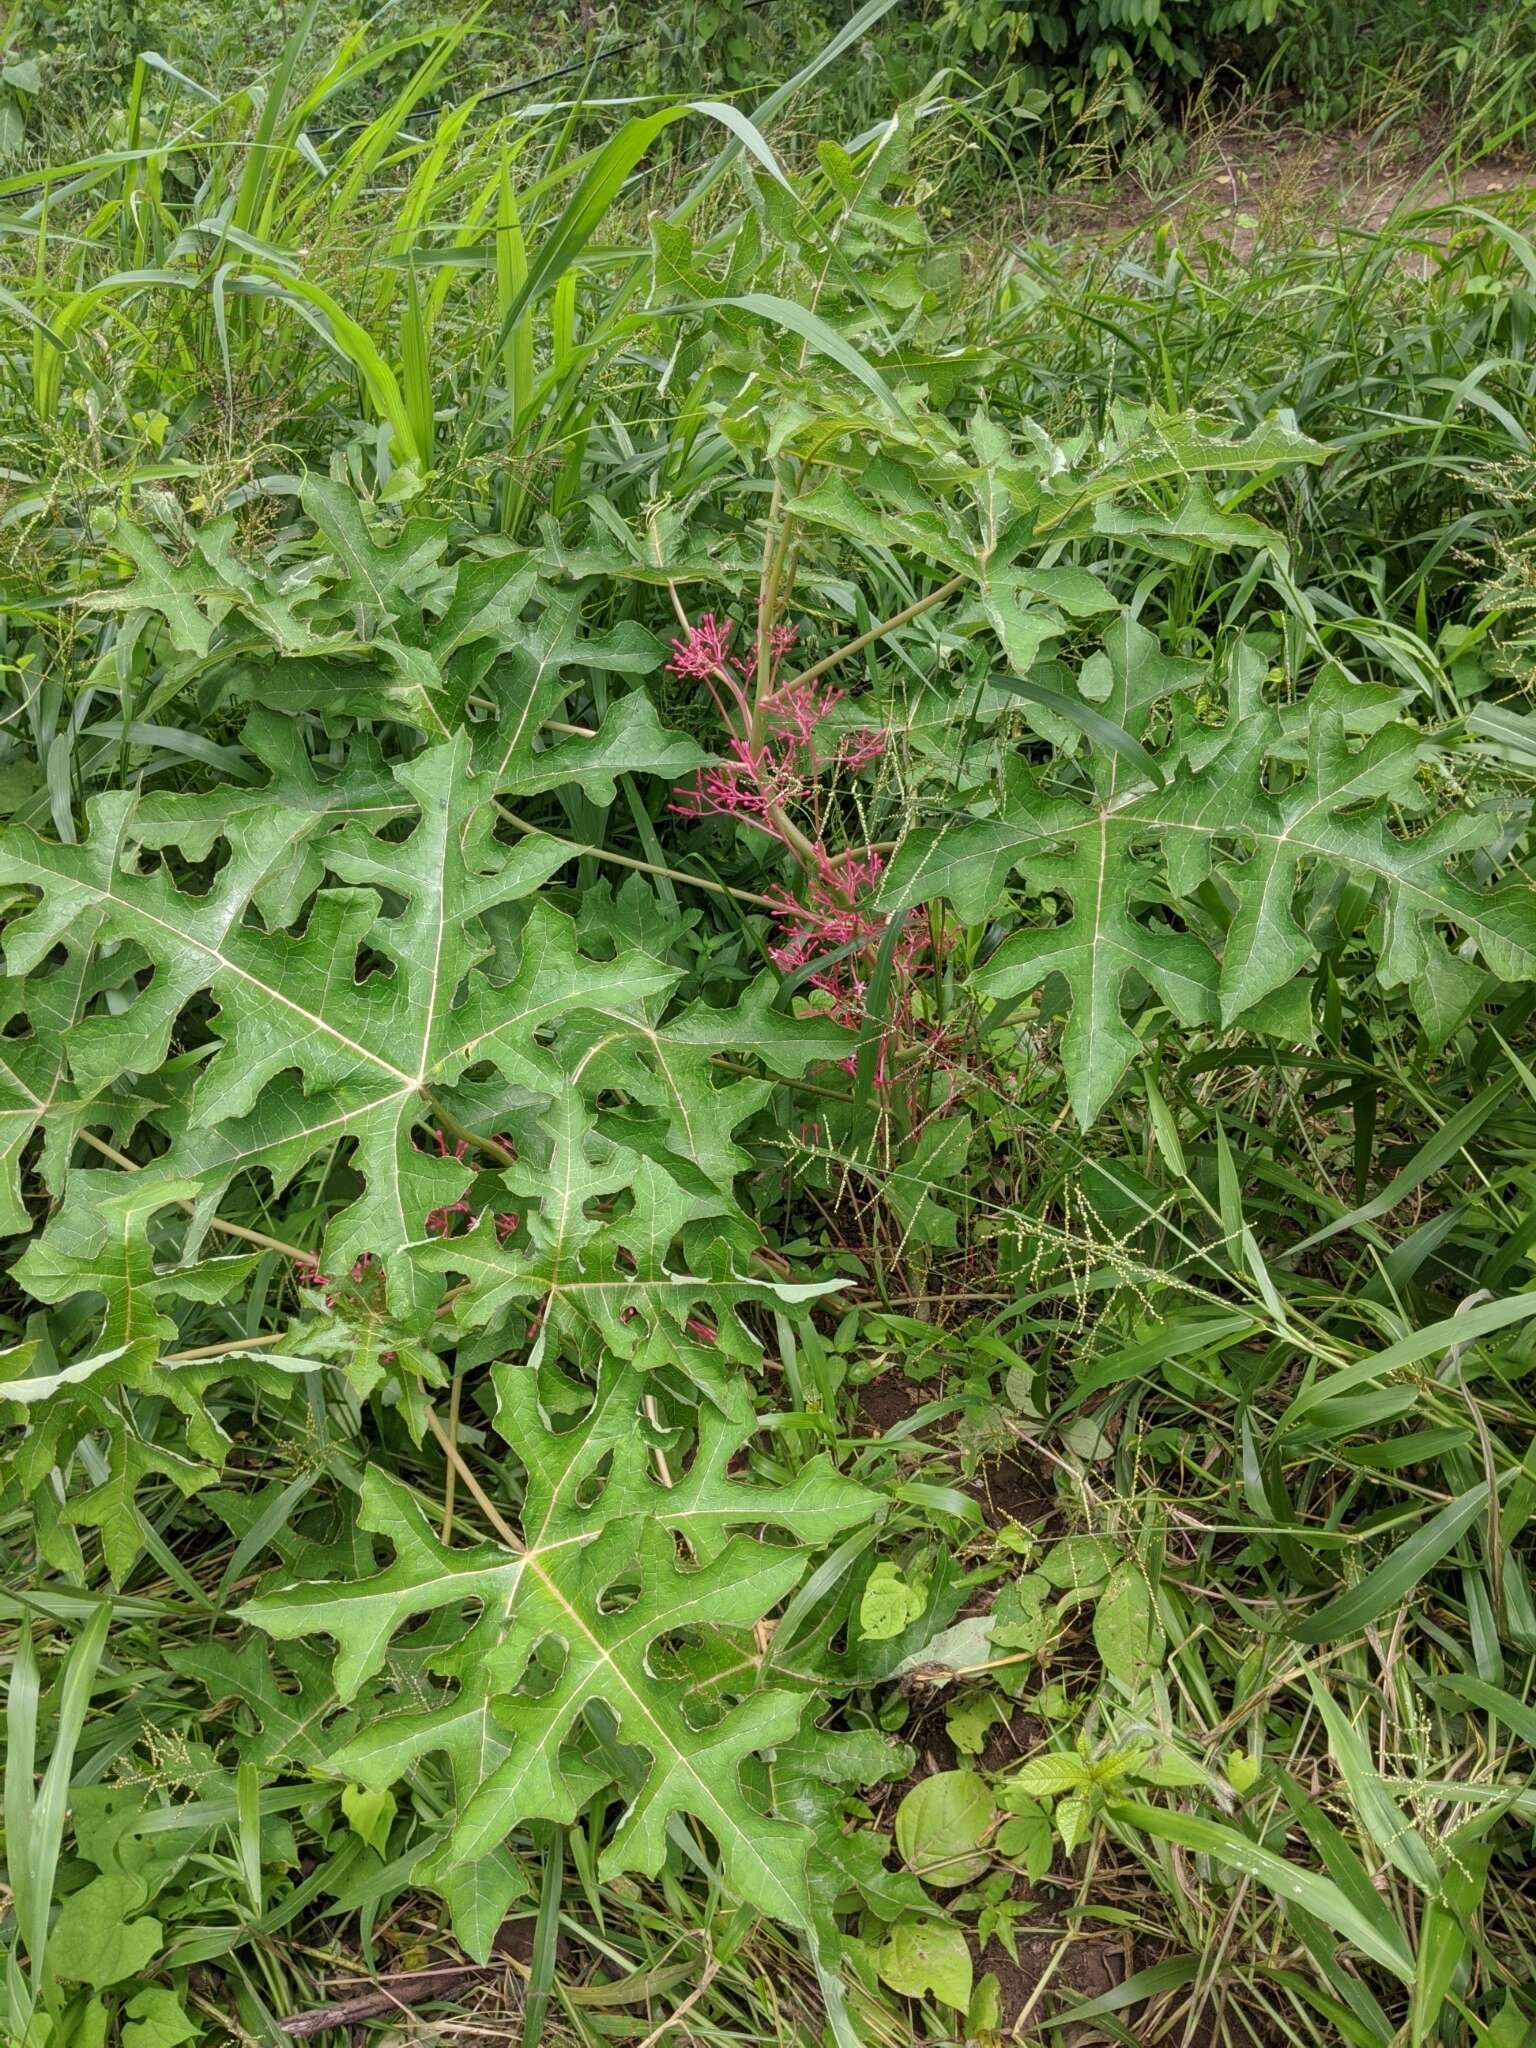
432	108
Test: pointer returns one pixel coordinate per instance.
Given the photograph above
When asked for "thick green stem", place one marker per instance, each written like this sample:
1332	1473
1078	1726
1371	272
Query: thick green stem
465	1135
913	611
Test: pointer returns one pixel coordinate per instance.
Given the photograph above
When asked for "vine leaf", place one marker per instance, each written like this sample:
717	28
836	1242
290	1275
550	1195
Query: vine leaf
100	1937
615	1285
87	1406
298	1725
1135	864
576	1621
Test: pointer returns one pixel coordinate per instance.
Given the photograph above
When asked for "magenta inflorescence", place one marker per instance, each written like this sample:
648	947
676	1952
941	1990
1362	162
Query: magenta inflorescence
775	774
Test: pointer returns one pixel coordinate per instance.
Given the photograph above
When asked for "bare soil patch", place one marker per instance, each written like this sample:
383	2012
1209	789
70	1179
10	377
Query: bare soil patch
1245	187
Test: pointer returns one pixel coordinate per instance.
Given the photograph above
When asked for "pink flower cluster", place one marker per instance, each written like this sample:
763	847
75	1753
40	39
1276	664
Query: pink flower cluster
835	928
762	777
830	927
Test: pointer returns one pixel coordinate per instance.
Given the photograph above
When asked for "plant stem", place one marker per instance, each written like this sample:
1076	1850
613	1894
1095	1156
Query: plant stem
464	1134
663	1469
263	1342
256	1237
644	867
803	1087
923	604
451	1480
472	1486
775	552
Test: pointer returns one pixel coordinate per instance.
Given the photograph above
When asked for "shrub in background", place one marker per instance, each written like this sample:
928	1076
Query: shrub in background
1107	66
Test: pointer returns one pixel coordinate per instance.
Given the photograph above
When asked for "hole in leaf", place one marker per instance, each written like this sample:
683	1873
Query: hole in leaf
591	1488
544	1668
369	963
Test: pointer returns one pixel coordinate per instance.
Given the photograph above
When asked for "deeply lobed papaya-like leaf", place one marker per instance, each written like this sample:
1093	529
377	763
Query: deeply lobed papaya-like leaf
99	1248
1131	855
573	1621
361	957
405	975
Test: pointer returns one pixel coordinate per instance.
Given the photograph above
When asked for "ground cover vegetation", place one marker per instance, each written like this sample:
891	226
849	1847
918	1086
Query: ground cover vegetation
766	1086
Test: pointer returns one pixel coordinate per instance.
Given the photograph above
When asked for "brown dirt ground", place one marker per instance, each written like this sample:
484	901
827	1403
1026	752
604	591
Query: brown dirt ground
1008	1486
1243	187
1012	1488
1088	1968
884	1402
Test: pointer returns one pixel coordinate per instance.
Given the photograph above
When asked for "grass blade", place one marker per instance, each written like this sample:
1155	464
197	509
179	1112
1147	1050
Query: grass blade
1317	1895
1388	1585
44	1838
